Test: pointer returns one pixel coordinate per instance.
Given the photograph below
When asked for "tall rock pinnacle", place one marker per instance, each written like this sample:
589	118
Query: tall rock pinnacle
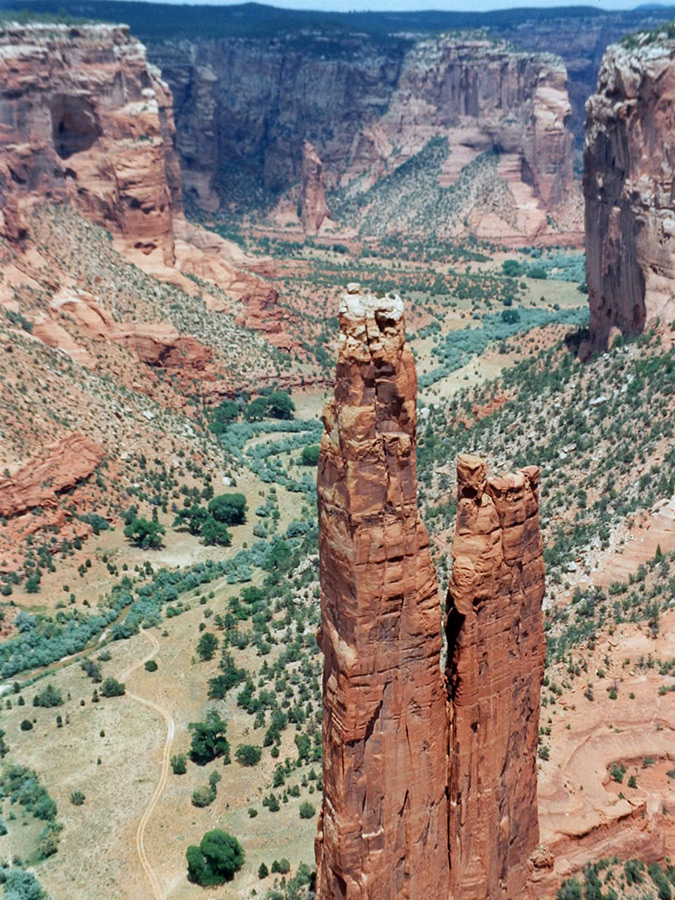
496	652
313	201
383	828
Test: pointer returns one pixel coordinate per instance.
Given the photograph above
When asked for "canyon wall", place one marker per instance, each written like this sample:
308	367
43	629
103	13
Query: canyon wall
628	185
84	119
383	827
496	654
244	108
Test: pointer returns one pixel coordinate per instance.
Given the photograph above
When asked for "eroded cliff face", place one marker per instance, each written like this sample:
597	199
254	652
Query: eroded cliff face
383	827
496	654
39	481
483	97
84	119
244	109
629	160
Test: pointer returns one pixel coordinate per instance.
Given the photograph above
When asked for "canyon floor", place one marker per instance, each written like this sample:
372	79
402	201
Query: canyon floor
495	335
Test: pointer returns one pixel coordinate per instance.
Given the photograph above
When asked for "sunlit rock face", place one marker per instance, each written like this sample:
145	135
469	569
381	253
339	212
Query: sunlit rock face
496	655
85	119
383	828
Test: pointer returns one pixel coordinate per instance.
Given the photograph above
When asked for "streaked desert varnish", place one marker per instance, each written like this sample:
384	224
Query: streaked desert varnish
628	188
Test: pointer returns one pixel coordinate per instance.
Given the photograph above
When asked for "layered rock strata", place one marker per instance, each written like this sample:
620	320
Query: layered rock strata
383	827
629	164
496	654
86	120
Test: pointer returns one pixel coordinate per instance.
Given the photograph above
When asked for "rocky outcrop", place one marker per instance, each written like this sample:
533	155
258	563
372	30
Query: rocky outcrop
313	199
246	105
84	119
157	344
496	652
383	827
38	482
628	186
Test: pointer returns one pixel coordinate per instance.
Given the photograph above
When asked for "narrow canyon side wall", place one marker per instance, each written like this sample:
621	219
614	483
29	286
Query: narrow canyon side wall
629	161
496	653
84	119
383	826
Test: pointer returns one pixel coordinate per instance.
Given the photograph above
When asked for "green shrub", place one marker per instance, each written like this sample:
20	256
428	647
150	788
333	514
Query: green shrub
203	796
179	764
207	646
208	739
48	697
248	754
570	890
307	811
111	687
229	509
145	533
310	455
216	860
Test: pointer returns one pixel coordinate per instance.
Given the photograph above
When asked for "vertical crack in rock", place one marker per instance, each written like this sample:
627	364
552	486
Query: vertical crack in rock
496	652
383	826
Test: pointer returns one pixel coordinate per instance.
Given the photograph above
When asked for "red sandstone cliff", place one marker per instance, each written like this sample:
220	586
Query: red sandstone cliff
496	652
383	827
628	186
84	119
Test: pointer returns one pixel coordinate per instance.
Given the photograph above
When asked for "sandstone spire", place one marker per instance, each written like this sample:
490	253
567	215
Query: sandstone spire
383	827
313	203
496	652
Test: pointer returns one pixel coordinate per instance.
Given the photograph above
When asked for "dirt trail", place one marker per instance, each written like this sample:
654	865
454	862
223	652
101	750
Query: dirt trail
157	892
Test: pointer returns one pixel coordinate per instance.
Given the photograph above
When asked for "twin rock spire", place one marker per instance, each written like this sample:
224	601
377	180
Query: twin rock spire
430	786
